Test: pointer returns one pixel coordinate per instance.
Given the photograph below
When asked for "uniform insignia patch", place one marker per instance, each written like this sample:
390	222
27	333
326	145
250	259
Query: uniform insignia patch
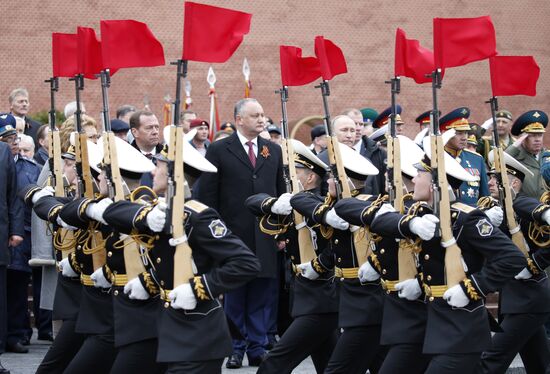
217	228
484	227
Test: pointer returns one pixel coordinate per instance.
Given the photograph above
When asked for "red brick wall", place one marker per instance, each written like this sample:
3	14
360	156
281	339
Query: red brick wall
364	30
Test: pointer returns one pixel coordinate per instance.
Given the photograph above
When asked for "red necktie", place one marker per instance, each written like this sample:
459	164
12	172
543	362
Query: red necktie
251	155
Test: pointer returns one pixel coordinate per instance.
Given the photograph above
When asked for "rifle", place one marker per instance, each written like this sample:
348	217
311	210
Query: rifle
85	183
305	241
175	195
441	202
406	261
362	247
110	160
504	193
56	170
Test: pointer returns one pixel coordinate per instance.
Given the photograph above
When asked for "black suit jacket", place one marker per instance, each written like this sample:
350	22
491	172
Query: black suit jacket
236	180
31	129
12	208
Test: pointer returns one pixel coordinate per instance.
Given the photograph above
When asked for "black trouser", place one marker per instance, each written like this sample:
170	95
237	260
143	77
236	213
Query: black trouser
65	346
96	356
42	317
453	363
196	367
523	333
313	334
357	350
405	358
3	309
18	310
138	357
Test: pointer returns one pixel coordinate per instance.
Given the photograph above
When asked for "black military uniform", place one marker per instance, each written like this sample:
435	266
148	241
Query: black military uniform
191	341
360	305
404	321
457	336
68	290
95	317
524	303
314	303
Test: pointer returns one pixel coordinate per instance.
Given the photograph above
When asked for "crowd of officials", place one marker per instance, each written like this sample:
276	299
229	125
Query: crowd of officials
259	310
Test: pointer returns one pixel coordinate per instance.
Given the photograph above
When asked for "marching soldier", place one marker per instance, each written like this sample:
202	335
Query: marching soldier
457	329
524	302
314	300
404	338
68	290
469	192
360	303
192	330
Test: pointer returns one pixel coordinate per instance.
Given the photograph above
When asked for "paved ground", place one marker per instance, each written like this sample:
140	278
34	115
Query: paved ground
27	363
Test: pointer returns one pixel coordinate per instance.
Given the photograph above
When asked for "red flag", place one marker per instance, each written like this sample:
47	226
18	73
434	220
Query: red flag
514	75
212	34
459	41
411	59
89	53
331	58
295	69
64	55
129	44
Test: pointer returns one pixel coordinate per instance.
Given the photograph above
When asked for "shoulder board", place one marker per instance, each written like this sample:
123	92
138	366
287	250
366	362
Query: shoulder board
472	152
363	197
195	206
463	207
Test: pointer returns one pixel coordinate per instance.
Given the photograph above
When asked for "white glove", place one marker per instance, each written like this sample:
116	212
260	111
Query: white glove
182	297
307	271
282	205
546	216
495	215
332	219
95	210
99	279
454	296
157	217
135	291
66	269
65	225
487	125
385	208
524	274
409	289
46	191
367	273
424	226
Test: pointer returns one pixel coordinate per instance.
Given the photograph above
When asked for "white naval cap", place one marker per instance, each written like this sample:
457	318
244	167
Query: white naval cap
357	166
306	158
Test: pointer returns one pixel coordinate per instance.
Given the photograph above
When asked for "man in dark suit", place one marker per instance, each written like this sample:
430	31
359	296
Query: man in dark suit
145	129
247	165
19	107
11	230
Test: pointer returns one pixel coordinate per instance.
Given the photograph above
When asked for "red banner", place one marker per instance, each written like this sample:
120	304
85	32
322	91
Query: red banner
331	58
411	59
295	69
64	54
514	75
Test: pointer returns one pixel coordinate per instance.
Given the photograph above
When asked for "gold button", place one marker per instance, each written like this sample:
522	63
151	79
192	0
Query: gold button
421	209
115	272
382	251
158	260
292	257
454	215
384	271
79	247
388	292
429	277
115	293
426	257
81	266
342	279
287	241
166	304
431	298
55	232
109	254
162	283
339	259
335	241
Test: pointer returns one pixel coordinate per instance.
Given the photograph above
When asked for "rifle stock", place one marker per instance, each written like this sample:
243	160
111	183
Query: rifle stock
54	152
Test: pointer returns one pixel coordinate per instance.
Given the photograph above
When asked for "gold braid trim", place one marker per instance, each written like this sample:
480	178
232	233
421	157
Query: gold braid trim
54	211
470	289
94	242
532	267
199	288
83	206
143	240
142	214
486	202
317	266
405	198
65	240
30	193
545	198
108	274
375	262
74	264
376	204
150	285
539	234
265	220
412	246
